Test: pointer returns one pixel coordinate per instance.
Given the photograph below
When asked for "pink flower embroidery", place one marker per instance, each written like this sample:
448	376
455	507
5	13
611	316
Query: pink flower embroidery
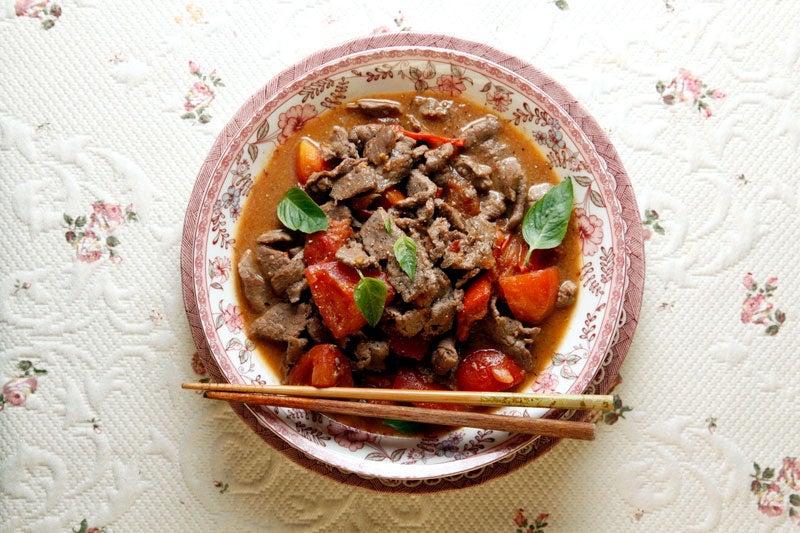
770	501
450	85
293	119
232	317
688	87
790	473
45	10
200	95
92	237
757	307
16	391
107	217
89	248
519	517
590	230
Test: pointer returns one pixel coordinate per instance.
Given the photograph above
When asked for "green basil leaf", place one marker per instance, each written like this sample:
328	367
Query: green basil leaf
546	222
298	211
405	426
370	295
388	225
405	251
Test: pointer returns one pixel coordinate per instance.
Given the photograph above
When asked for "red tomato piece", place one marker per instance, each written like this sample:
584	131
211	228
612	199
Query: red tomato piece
332	287
531	296
475	305
408	378
309	159
324	365
488	370
322	245
411	347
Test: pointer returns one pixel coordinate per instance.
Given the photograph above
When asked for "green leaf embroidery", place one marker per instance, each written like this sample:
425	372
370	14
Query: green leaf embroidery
298	211
546	222
370	295
405	251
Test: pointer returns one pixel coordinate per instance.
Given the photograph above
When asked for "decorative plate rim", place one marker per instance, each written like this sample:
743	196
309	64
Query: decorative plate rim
630	300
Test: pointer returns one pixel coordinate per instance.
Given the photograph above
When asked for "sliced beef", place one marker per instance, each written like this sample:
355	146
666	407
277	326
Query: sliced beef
379	107
281	322
442	313
353	254
288	275
400	162
480	130
361	133
445	357
475	249
507	176
508	335
478	173
371	354
271	260
431	107
337	211
406	323
493	205
254	287
317	330
567	292
518	210
376	240
295	348
428	322
322	181
452	214
437	158
275	236
536	192
378	149
429	282
339	146
419	189
363	178
439	234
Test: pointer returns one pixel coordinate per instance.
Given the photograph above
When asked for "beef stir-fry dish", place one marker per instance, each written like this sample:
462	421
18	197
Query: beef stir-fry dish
408	241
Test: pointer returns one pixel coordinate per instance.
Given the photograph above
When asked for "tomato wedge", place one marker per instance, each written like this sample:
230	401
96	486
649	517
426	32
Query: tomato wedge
324	365
475	305
309	159
332	287
408	378
322	245
488	370
531	296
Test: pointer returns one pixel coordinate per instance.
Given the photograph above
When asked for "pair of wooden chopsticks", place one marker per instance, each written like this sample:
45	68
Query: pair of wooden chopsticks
320	400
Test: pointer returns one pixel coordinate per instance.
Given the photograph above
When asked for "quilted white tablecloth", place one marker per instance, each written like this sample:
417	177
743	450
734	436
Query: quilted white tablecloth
107	111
